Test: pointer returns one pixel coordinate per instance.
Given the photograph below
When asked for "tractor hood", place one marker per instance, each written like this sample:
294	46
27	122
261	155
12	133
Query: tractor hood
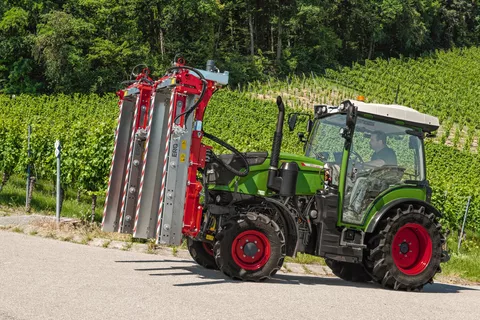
310	176
303	162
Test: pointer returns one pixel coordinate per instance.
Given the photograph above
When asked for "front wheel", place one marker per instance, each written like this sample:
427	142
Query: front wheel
202	253
353	272
407	250
251	247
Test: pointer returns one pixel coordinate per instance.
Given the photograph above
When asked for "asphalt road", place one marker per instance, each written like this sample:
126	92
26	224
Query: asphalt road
49	279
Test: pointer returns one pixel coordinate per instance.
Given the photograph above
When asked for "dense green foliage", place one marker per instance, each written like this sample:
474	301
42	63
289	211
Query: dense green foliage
453	178
84	124
68	46
444	84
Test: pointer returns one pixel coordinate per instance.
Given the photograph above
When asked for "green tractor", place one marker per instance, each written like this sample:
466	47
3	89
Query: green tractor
359	198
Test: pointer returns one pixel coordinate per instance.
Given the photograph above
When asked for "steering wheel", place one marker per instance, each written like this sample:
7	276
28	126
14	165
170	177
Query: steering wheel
319	156
387	173
358	158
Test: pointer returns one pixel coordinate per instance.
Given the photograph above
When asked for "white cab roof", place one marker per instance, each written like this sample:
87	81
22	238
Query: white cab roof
398	112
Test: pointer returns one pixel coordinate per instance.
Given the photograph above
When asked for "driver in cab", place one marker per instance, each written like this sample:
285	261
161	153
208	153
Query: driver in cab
383	155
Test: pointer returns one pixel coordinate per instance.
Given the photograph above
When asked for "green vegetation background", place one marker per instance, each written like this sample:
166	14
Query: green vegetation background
90	46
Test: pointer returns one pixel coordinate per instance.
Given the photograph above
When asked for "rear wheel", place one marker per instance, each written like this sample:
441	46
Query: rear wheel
348	271
407	250
202	253
251	247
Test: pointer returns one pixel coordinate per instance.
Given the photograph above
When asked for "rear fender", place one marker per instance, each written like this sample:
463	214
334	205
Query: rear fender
381	213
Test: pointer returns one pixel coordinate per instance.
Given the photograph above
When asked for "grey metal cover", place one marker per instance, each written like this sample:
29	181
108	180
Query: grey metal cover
149	191
113	201
176	183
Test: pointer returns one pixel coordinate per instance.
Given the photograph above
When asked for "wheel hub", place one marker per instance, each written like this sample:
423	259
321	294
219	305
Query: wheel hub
251	250
412	249
404	248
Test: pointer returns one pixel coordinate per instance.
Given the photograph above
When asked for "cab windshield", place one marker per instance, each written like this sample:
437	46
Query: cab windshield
381	156
326	143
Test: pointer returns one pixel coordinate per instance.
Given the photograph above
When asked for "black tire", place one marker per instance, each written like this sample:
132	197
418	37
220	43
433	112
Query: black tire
389	267
200	254
348	271
235	231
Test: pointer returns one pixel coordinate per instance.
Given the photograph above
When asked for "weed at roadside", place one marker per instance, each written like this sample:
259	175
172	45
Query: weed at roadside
304	258
151	246
127	246
17	229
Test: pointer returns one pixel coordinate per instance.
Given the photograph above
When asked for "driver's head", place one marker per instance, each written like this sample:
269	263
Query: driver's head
378	140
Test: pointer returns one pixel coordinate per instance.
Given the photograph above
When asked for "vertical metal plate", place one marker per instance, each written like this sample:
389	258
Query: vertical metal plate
147	210
133	182
119	162
179	161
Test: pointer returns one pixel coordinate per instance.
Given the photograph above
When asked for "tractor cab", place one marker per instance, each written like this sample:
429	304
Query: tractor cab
369	150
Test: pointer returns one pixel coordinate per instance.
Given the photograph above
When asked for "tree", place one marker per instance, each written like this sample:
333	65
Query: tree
61	44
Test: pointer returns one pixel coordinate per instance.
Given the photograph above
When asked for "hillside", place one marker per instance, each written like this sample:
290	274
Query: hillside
444	84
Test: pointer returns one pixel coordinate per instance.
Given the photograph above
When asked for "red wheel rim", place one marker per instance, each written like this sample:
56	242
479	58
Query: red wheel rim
251	250
208	248
412	249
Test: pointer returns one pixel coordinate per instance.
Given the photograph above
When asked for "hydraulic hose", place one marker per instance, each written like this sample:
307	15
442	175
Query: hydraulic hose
231	148
204	89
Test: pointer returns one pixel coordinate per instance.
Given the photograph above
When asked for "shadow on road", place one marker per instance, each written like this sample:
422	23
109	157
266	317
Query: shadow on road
215	277
154	261
447	288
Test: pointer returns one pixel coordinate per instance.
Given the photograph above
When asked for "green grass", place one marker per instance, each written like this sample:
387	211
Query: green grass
466	266
127	246
465	263
66	238
304	258
17	230
175	251
44	199
307	271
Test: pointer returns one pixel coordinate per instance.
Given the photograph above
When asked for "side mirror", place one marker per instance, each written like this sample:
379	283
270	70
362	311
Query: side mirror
351	115
309	125
292	121
301	137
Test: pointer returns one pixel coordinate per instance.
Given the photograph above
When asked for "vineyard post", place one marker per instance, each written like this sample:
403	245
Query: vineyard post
396	94
28	164
313	78
57	155
463	224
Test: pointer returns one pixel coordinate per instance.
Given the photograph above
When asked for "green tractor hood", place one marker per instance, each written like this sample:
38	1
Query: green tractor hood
310	176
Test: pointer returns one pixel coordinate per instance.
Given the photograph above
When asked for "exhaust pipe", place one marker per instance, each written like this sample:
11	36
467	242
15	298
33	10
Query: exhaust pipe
274	181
